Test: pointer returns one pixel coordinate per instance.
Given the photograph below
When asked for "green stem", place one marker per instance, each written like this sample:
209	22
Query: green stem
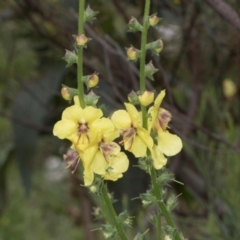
112	212
80	54
143	46
104	209
159	227
142	58
161	205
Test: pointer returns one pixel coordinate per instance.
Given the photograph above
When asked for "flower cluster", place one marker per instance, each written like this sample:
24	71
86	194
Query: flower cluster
156	138
92	137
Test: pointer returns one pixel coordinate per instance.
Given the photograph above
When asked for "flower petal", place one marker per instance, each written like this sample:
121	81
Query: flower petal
99	164
159	99
103	125
134	114
64	129
138	148
153	111
76	100
169	144
72	113
145	137
158	158
90	114
121	119
110	136
110	148
88	177
88	156
119	164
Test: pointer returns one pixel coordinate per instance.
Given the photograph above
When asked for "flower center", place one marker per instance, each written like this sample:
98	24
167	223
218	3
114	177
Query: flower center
83	133
128	137
164	117
109	149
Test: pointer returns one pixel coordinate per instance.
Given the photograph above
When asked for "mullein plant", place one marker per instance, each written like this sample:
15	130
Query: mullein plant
144	133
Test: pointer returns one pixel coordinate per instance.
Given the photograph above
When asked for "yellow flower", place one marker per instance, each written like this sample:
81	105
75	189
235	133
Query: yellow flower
168	144
76	125
136	139
103	157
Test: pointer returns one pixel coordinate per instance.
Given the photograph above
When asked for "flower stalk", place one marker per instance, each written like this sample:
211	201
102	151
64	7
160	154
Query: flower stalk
158	193
112	213
80	54
142	59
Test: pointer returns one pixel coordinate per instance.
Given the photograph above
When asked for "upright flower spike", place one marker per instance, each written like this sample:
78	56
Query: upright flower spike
76	125
168	144
136	139
104	157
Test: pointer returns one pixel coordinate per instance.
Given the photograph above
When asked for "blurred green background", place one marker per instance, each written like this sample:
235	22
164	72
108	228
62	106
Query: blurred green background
39	198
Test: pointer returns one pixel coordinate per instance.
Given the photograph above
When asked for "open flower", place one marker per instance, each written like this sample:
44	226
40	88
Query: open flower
168	144
76	125
104	157
136	139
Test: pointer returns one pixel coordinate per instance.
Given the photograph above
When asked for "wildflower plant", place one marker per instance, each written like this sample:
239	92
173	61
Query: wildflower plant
144	133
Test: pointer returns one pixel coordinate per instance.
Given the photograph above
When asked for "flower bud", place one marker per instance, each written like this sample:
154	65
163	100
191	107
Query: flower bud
153	20
91	99
167	237
155	46
133	98
97	212
134	25
81	40
145	164
171	203
229	88
89	14
93	80
65	93
93	189
124	219
132	53
109	231
150	70
165	178
68	93
148	199
70	58
146	98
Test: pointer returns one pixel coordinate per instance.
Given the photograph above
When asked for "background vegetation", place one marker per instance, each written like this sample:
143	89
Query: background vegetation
38	197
